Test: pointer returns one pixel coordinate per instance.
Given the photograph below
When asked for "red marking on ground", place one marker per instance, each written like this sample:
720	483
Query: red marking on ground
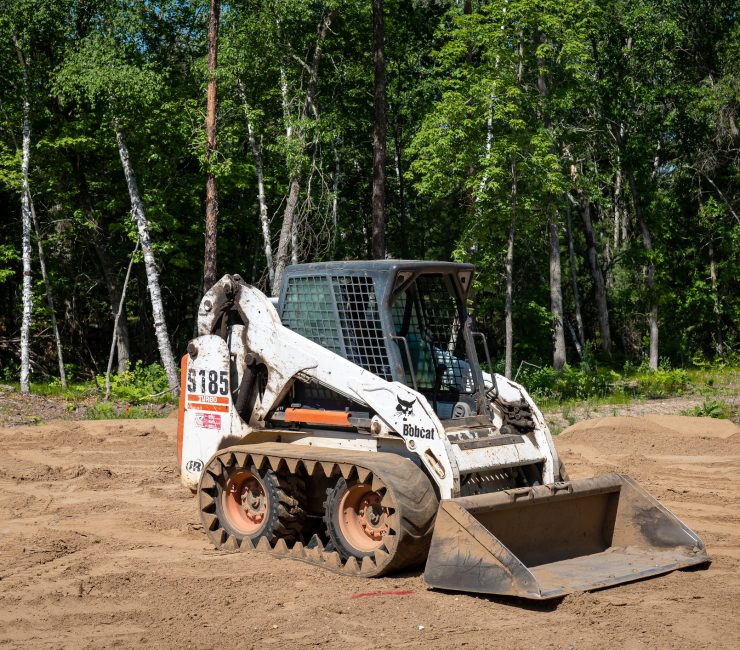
383	593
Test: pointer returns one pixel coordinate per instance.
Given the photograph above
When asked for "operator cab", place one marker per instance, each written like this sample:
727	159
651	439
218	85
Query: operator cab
403	321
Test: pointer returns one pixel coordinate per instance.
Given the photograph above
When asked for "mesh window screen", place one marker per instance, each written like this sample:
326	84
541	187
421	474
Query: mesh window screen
313	304
309	311
359	320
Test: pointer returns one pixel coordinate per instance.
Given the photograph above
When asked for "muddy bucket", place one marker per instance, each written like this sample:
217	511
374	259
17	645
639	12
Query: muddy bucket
552	540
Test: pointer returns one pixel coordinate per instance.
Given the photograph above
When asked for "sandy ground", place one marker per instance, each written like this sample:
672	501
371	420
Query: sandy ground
101	547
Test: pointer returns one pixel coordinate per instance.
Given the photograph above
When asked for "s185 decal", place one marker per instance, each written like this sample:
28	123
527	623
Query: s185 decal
208	381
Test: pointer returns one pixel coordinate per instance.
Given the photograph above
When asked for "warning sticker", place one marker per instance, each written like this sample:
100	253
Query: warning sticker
208	420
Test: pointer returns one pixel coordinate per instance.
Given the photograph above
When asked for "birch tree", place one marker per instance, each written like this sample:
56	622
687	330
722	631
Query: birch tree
152	274
296	140
100	71
27	295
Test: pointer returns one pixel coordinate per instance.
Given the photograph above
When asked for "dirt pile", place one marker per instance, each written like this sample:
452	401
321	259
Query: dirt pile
100	546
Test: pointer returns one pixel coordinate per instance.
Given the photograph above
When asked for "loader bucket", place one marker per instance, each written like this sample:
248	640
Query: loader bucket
552	540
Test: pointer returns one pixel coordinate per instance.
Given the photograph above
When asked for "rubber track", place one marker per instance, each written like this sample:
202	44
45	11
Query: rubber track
403	486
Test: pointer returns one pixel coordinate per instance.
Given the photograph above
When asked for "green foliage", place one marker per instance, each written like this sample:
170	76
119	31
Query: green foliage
585	382
139	383
553	90
75	391
570	383
710	409
10	370
108	411
660	383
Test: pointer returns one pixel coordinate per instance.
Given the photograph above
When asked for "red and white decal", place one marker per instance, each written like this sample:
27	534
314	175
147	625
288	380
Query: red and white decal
207	421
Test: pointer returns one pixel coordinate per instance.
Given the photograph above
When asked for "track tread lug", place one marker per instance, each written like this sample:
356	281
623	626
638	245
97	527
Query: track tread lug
381	557
209	520
314	555
280	548
346	470
298	550
351	566
246	545
368	564
364	475
207	481
378	485
332	559
264	545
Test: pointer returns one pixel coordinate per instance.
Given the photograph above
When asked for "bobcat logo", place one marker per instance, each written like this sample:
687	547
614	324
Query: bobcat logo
405	408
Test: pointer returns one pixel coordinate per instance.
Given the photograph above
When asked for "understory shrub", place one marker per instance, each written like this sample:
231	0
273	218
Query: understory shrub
139	383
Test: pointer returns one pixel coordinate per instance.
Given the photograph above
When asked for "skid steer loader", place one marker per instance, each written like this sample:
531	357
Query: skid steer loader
349	424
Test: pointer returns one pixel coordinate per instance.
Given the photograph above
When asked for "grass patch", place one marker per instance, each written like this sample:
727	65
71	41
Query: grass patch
110	411
74	391
600	387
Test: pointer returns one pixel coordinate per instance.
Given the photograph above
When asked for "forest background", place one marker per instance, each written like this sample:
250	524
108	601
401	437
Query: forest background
583	155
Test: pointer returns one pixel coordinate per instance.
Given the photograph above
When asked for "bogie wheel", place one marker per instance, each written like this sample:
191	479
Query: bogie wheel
239	503
359	520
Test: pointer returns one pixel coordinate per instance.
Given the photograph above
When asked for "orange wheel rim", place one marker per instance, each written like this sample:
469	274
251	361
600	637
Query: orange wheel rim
363	521
244	502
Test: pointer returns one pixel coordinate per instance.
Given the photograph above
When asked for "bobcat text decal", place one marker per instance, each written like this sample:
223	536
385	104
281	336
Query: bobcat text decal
413	431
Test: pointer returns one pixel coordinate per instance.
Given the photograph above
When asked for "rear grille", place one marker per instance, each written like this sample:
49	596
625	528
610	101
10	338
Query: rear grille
486	482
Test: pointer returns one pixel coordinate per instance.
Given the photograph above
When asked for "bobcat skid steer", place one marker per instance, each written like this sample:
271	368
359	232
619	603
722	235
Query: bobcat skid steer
349	424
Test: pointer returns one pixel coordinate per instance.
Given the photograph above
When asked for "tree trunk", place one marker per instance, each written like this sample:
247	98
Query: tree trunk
574	283
599	288
379	133
211	230
647	242
294	238
264	219
285	233
619	220
294	184
152	275
718	339
556	298
116	320
335	197
598	276
49	297
26	247
101	247
509	345
556	289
